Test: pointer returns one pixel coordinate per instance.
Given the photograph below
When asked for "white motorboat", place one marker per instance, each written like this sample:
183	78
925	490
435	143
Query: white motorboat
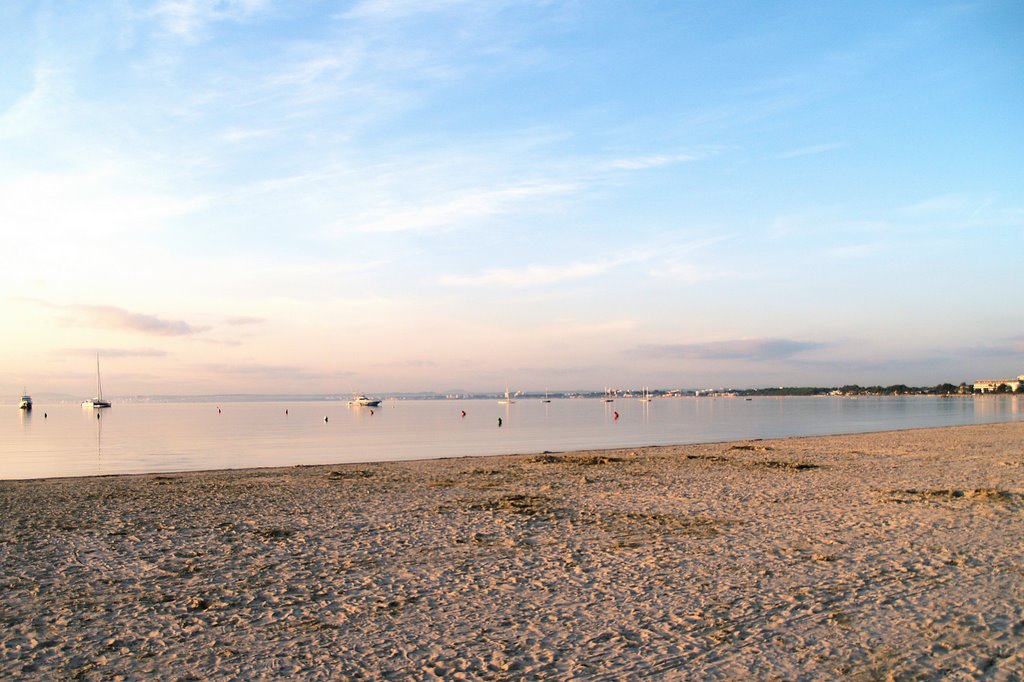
363	401
26	402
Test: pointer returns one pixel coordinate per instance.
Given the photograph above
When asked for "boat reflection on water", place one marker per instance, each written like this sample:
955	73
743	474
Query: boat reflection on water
99	445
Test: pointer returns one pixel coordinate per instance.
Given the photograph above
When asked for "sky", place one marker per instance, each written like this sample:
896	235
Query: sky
261	196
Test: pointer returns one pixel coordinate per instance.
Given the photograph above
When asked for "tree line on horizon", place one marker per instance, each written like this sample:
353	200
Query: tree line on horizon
848	390
853	389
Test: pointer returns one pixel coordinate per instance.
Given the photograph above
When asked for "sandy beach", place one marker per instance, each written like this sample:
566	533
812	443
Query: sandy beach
881	556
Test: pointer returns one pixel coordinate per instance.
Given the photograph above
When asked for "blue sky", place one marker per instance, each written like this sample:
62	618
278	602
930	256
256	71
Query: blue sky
388	195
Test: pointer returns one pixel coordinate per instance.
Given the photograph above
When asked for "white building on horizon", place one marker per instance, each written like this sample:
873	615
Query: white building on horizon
990	385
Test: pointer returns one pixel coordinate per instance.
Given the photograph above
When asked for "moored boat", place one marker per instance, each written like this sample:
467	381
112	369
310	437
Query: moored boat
98	401
363	401
26	402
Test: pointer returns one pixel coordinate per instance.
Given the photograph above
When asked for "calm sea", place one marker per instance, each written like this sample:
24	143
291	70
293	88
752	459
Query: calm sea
67	440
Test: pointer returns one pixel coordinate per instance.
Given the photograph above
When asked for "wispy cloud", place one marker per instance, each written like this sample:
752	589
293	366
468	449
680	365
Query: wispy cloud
853	251
812	150
646	162
118	318
674	261
111	317
232	343
34	109
392	10
256	276
240	135
566	371
690	273
757	349
104	200
456	213
945	203
242	320
952	203
1011	347
188	19
408	364
824	219
962	209
894	367
114	352
271	372
320	72
535	275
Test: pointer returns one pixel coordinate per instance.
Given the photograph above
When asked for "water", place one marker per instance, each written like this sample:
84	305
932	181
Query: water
160	437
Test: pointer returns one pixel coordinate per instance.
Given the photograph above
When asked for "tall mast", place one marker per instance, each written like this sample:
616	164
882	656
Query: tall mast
99	386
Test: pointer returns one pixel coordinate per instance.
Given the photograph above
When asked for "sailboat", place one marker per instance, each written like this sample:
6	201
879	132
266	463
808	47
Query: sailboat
647	396
98	401
546	398
508	398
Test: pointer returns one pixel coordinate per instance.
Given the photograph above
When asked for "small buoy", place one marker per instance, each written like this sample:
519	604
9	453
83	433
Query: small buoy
499	421
286	411
44	415
371	413
97	415
616	415
326	419
218	410
463	413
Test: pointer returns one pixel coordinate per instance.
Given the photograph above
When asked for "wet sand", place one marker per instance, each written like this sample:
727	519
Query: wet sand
880	556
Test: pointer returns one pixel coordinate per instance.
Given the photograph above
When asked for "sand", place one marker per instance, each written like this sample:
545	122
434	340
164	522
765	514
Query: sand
881	556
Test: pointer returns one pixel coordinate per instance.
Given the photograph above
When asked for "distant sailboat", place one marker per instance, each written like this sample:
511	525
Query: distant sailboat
98	401
647	396
546	398
508	398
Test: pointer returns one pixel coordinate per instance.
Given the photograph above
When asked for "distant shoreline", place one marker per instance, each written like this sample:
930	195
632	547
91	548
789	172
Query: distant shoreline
328	398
